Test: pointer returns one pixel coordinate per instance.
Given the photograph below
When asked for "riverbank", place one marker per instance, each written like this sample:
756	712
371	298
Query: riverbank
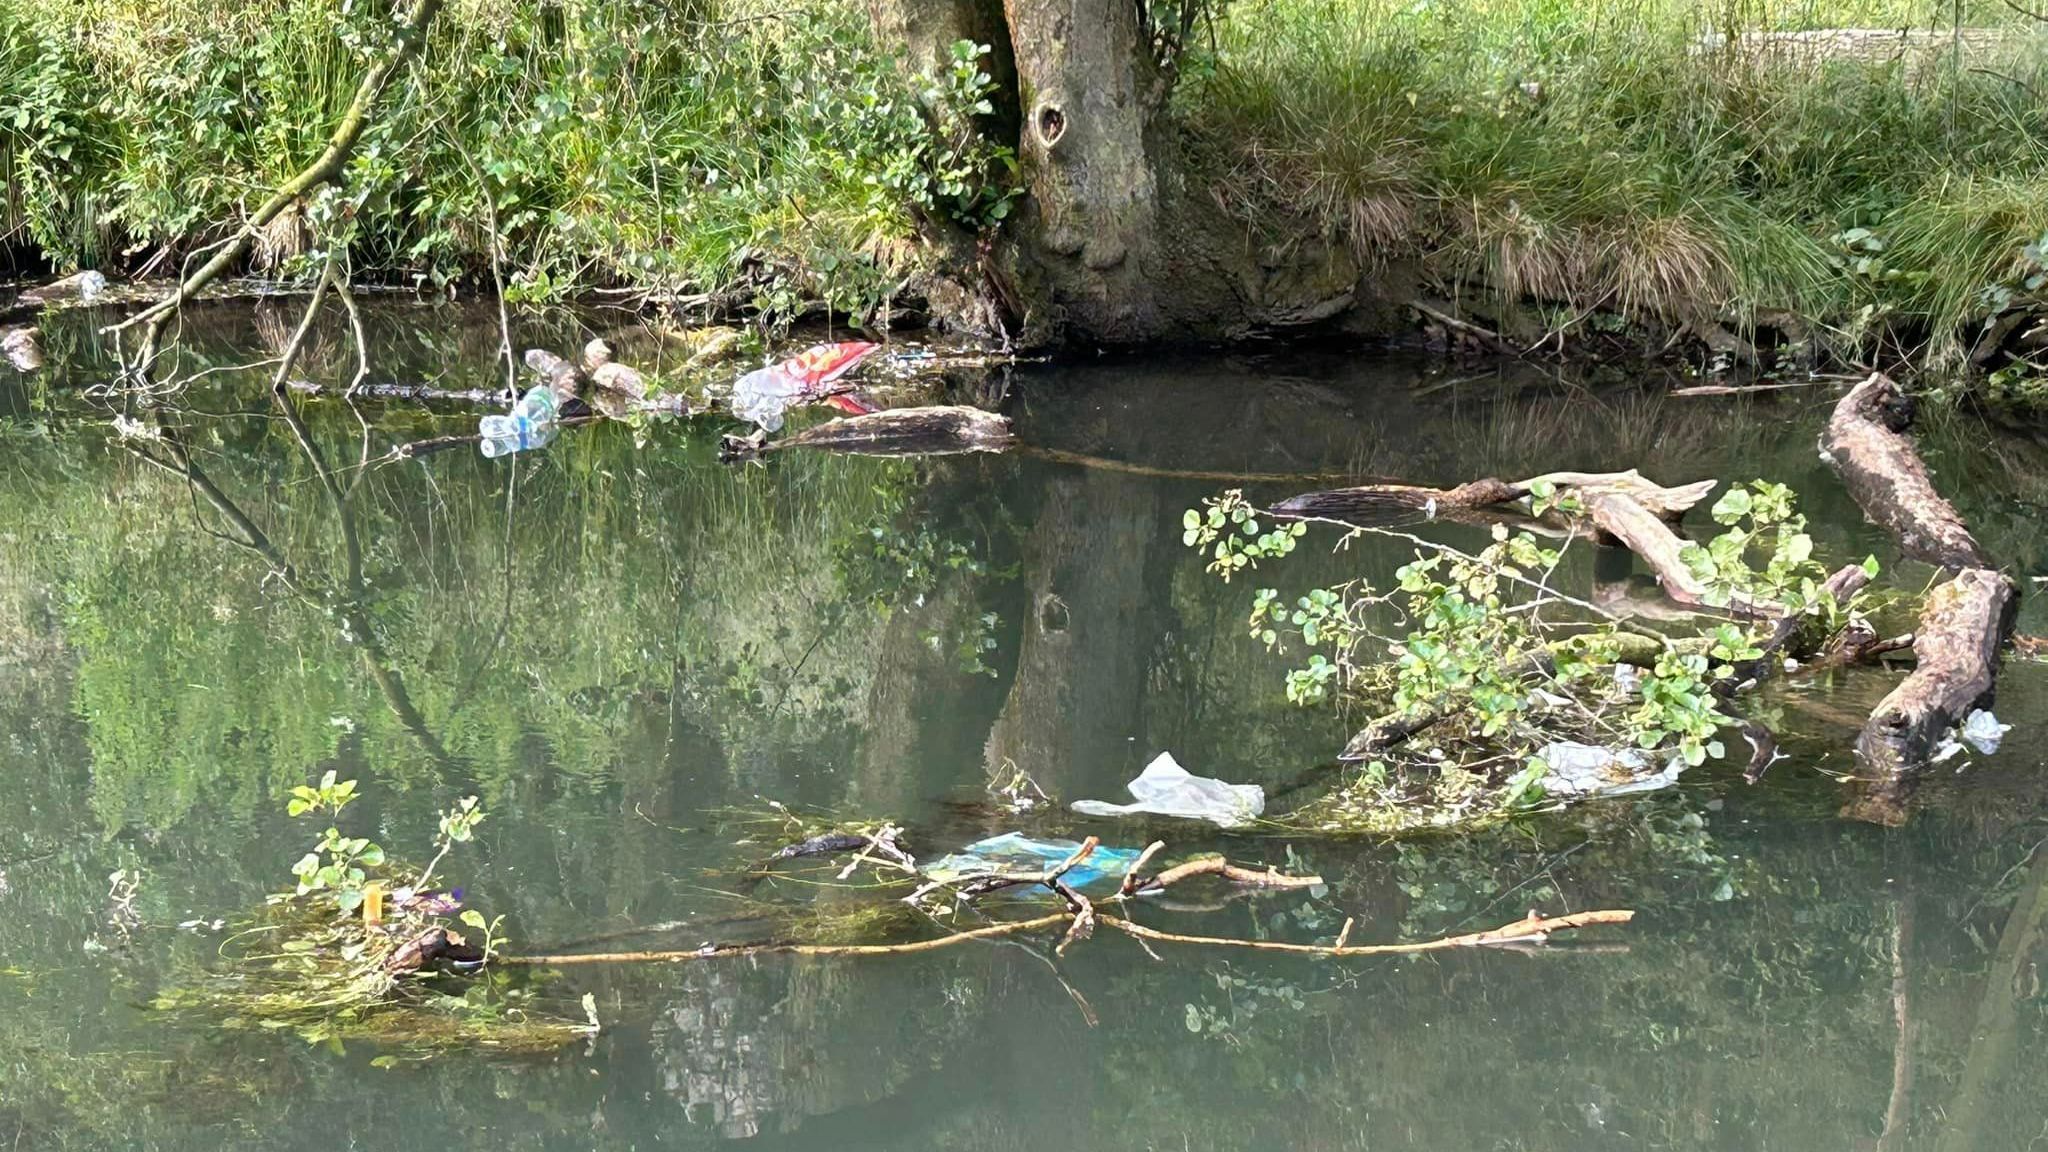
1539	179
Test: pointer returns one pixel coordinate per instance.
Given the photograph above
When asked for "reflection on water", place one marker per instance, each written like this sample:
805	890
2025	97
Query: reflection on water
613	644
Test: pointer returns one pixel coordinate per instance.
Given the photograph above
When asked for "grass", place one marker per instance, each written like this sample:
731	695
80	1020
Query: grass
1594	154
1582	156
770	155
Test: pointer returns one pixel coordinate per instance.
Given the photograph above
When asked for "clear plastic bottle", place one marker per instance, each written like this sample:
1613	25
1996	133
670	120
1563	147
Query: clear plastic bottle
538	405
530	425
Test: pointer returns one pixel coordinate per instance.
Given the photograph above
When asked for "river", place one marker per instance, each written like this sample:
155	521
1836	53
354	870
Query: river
627	648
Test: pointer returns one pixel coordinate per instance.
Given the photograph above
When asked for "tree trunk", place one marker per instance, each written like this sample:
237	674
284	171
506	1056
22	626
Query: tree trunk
1086	244
1078	694
927	30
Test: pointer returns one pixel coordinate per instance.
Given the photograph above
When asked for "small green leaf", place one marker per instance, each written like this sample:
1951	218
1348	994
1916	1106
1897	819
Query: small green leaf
474	919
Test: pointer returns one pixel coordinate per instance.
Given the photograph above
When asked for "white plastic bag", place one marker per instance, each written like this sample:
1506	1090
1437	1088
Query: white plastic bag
1579	770
1165	788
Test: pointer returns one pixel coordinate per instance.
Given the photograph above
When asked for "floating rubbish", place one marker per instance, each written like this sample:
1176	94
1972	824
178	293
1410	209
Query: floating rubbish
1013	853
763	395
1581	770
531	424
1165	788
1982	731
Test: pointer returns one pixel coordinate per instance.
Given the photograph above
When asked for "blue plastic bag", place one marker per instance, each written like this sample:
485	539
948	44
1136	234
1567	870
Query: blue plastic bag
1015	854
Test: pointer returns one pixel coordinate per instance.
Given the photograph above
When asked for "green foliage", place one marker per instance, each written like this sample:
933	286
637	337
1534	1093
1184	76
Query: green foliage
1757	517
1228	527
766	158
1492	665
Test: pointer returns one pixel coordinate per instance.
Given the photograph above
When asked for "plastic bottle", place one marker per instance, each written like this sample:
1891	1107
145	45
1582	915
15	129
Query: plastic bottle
530	425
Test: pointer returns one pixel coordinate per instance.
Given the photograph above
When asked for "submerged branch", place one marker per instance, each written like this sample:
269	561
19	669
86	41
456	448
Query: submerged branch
1667	503
710	952
1532	929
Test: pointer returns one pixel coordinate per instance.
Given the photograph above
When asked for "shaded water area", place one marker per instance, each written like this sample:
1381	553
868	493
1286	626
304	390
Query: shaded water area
629	639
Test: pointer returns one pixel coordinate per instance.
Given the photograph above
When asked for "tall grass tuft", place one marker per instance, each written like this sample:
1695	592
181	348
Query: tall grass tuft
1669	158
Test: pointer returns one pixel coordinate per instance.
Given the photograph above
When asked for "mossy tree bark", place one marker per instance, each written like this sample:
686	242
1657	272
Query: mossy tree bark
1087	243
1082	92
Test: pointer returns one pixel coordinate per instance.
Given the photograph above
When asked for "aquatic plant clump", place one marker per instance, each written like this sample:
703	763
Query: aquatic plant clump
352	952
1495	691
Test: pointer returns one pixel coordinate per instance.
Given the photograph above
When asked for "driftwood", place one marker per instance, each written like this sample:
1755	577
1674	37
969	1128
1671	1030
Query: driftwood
1962	622
1884	474
1532	929
1218	866
1650	538
934	431
1957	649
1382	499
21	349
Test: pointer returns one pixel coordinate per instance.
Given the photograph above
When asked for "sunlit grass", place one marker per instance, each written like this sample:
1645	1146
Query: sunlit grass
1610	153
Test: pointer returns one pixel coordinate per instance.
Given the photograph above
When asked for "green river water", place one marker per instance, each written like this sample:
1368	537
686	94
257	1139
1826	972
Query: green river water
627	643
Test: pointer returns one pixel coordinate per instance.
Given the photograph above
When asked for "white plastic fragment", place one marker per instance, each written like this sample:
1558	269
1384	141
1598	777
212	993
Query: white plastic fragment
1581	770
1165	788
1982	731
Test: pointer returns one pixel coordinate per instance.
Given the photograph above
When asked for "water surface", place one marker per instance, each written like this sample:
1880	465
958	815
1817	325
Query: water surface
617	645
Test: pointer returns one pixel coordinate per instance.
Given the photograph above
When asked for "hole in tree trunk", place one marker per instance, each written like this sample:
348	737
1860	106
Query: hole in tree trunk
1053	616
1052	124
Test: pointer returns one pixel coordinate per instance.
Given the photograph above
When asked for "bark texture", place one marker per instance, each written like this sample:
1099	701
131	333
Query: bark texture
1884	474
928	29
933	431
1088	88
1957	649
1650	538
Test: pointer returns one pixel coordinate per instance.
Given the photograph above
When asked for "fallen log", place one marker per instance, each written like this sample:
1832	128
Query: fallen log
1961	626
419	392
1885	476
1399	499
1650	538
933	431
